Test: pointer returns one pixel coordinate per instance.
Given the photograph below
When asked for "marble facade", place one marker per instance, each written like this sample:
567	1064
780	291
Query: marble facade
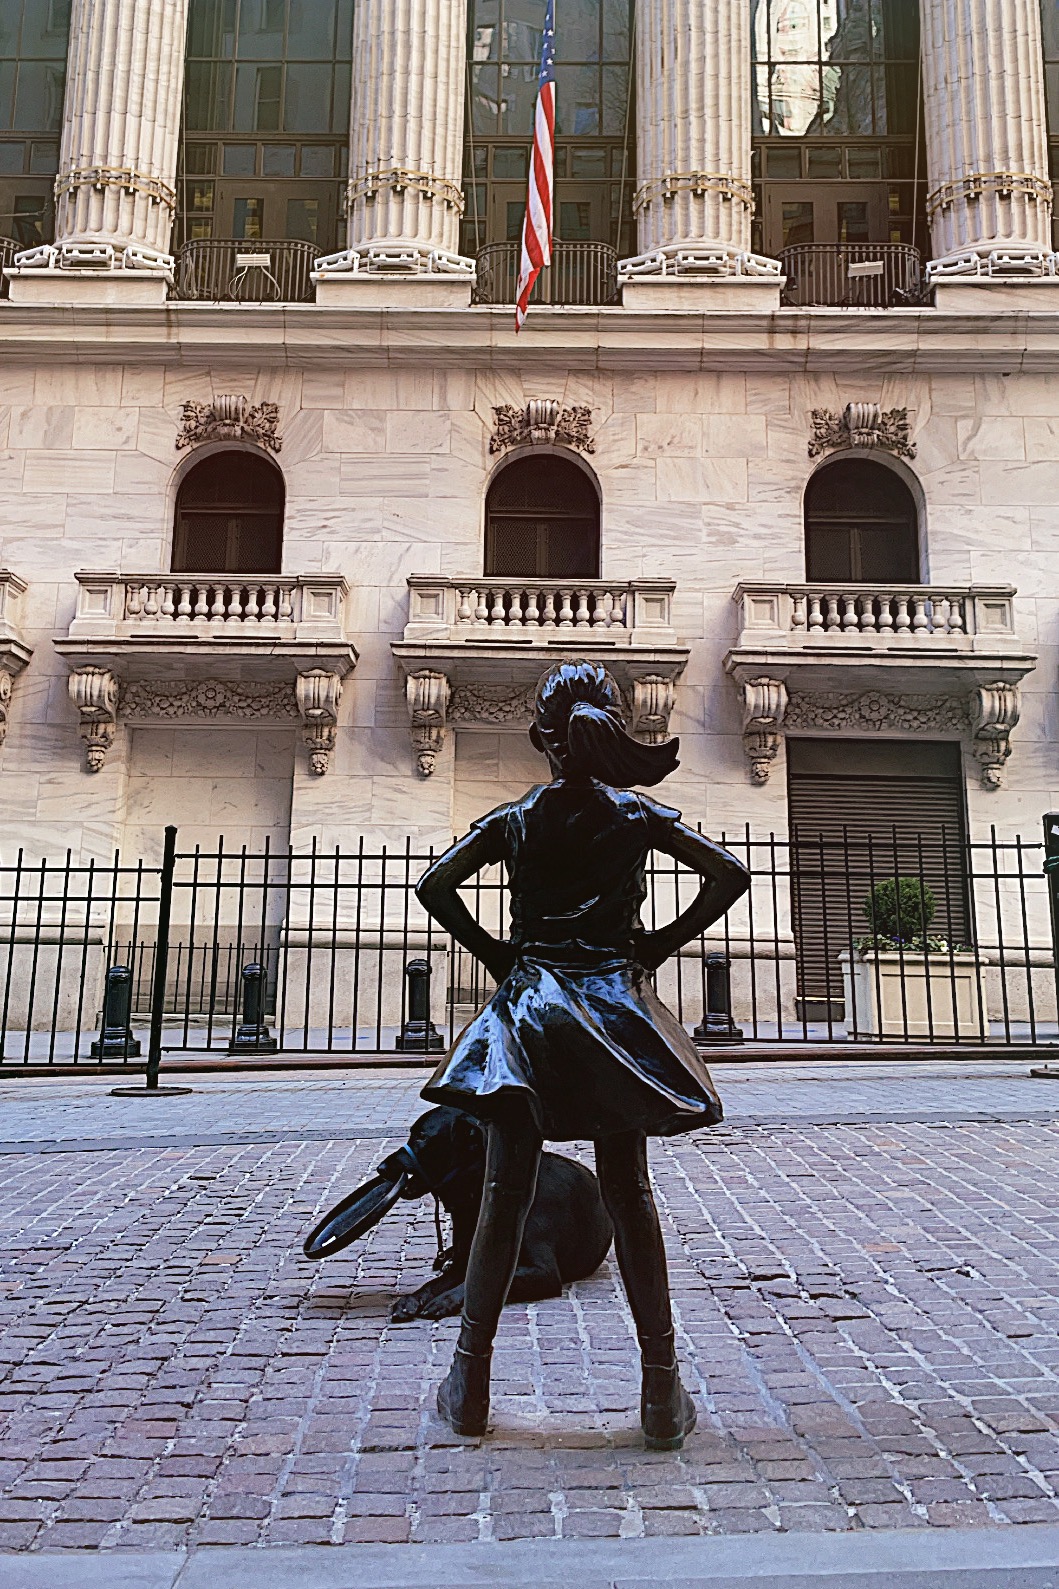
702	431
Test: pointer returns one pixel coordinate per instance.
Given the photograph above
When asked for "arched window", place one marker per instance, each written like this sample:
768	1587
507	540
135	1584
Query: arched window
860	525
542	520
229	517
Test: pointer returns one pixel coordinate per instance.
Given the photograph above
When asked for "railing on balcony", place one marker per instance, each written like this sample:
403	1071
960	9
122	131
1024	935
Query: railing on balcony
208	606
8	249
206	600
819	614
238	270
580	274
851	275
540	612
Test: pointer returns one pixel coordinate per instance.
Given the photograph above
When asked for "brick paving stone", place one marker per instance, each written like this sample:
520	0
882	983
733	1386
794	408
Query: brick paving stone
867	1314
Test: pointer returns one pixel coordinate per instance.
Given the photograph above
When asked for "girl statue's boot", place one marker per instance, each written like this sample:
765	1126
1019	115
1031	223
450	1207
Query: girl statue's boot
667	1412
463	1395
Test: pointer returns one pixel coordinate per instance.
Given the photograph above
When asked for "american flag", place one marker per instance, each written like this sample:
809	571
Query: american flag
537	226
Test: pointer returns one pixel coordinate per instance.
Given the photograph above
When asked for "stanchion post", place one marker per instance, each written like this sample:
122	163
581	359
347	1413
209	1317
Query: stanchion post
419	1035
717	1025
253	1036
115	1040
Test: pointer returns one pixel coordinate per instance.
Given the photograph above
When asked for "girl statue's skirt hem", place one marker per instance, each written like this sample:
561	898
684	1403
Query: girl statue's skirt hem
592	1052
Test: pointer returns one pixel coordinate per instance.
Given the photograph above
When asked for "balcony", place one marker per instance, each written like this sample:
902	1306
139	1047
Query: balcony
936	660
238	270
580	275
473	649
851	275
193	648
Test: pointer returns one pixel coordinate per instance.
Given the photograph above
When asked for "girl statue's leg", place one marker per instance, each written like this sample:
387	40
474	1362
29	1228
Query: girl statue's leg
667	1412
512	1157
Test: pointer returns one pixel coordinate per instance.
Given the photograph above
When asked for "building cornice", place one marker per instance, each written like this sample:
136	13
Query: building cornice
308	335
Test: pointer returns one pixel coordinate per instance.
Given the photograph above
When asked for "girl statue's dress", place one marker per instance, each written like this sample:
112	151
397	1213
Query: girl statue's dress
576	1028
575	1043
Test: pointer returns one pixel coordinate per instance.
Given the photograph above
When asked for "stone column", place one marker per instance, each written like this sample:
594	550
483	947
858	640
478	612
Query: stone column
405	193
116	188
694	201
989	201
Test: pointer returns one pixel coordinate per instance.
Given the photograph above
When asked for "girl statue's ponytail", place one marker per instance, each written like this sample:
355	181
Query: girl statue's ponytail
579	723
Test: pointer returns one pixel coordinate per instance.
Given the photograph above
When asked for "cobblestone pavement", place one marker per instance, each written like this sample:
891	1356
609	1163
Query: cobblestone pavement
867	1312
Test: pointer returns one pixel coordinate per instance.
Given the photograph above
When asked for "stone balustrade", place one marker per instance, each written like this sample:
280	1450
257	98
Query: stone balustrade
221	607
863	614
540	612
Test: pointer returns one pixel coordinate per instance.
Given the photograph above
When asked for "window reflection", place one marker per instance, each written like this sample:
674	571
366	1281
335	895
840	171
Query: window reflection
277	74
835	89
594	164
832	66
34	35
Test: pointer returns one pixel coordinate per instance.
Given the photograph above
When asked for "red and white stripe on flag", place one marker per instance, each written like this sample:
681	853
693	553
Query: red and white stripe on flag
537	226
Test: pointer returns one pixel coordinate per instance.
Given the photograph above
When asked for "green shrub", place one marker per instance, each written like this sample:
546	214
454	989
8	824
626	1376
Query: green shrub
901	909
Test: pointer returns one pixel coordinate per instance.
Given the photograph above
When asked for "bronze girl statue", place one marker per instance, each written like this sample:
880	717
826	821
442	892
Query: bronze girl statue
574	1042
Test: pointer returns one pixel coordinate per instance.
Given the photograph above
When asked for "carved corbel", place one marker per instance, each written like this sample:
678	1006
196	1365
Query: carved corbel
428	710
318	694
994	711
764	708
5	701
652	705
94	691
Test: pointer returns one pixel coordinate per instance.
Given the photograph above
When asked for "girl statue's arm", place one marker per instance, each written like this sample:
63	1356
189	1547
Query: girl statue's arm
725	881
437	893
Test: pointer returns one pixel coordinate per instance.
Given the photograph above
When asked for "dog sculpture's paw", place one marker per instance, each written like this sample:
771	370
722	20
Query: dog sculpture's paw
405	1309
446	1306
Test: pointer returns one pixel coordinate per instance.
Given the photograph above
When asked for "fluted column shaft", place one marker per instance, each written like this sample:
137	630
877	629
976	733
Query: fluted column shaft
121	124
693	124
406	124
985	124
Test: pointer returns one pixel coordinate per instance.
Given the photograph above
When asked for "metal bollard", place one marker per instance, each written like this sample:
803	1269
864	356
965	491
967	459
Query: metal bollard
115	1040
419	1035
252	1035
717	1025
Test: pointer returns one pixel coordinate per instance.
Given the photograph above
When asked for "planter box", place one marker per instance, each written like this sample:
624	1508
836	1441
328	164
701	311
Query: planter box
876	1006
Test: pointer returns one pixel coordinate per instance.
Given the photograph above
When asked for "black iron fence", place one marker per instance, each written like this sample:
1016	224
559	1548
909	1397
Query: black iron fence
8	249
328	951
580	274
851	275
240	270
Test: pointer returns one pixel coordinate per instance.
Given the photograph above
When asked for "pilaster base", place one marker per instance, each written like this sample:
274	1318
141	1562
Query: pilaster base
82	289
993	294
377	290
703	294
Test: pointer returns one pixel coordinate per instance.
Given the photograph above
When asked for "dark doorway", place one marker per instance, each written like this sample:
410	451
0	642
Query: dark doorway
542	521
860	525
862	811
229	517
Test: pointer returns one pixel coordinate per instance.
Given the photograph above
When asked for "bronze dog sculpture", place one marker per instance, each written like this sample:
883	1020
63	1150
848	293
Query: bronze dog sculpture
567	1234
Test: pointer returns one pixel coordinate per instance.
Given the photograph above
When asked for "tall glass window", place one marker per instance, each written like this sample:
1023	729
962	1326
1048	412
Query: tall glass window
1050	36
266	119
34	35
837	123
594	134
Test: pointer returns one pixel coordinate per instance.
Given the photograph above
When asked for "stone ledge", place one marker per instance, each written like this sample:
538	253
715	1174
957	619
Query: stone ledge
1022	1557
